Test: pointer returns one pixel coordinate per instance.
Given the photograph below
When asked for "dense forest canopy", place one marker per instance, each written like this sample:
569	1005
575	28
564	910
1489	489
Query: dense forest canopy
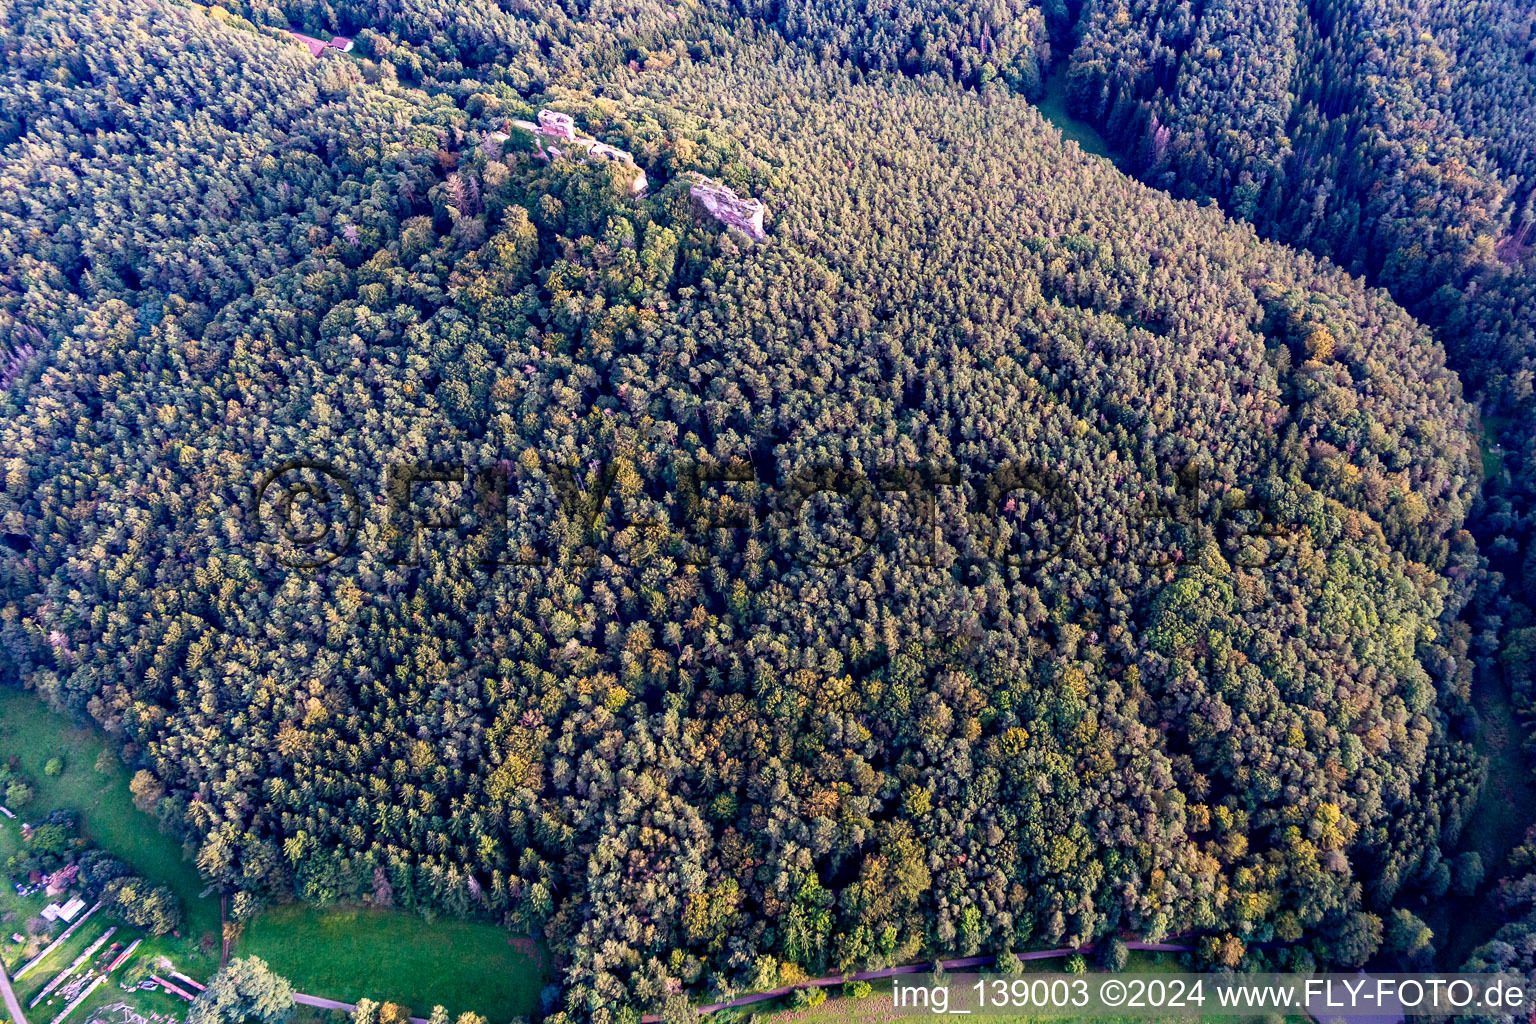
1397	137
1147	603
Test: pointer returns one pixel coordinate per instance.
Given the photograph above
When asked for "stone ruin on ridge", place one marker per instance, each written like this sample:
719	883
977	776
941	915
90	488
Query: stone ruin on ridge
556	127
556	135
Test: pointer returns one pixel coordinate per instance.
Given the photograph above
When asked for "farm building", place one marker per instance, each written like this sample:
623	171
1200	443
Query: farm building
319	46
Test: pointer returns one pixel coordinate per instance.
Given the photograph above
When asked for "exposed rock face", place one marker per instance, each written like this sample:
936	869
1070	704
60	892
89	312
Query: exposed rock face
555	127
723	204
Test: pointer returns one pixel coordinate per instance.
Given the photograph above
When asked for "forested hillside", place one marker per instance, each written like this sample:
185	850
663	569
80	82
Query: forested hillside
140	164
1139	608
461	47
1398	138
1394	137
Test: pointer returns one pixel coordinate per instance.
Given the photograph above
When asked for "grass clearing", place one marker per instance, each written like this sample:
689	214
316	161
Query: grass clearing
33	733
1490	449
1054	106
348	953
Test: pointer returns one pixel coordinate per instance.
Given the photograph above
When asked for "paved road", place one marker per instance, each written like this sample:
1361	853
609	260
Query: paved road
922	968
12	1005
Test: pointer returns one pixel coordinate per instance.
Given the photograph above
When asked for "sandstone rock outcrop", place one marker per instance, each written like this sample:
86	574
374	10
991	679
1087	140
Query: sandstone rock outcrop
723	204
